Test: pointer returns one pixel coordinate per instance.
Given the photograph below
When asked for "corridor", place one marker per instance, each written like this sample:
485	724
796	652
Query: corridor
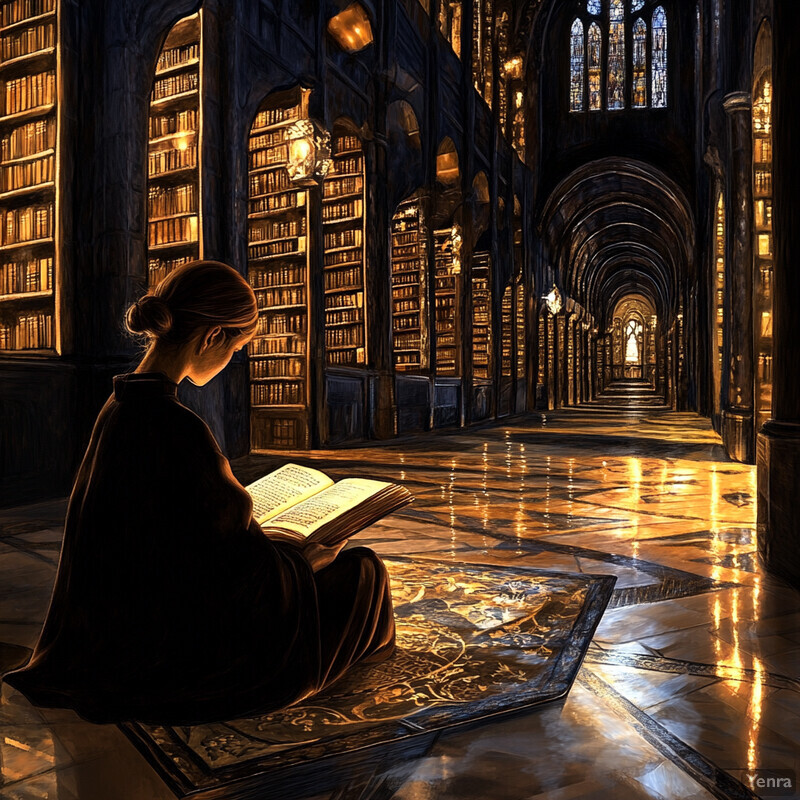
689	684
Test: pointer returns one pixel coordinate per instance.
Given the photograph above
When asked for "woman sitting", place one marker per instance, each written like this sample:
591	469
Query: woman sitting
170	604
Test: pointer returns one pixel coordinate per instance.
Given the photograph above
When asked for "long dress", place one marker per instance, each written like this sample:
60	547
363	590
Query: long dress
170	605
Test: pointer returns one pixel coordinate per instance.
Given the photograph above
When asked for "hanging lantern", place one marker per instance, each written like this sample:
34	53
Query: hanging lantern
309	152
553	300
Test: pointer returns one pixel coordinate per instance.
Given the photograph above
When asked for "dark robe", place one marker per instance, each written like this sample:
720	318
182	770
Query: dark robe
170	604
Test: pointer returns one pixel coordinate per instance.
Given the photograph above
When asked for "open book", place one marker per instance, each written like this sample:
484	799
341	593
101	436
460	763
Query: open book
302	504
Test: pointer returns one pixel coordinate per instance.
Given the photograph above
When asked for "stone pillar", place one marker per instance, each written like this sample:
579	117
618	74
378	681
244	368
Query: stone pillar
737	412
778	451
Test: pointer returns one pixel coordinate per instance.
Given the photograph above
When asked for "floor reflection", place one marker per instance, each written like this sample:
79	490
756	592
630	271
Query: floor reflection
692	673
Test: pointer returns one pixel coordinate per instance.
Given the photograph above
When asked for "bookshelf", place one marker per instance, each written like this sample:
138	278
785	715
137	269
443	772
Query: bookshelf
173	173
507	334
277	226
481	317
519	323
409	281
28	168
447	287
343	259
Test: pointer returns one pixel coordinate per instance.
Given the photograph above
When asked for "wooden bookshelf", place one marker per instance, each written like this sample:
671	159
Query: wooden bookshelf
409	282
519	324
279	274
481	317
343	260
28	168
173	169
507	334
447	287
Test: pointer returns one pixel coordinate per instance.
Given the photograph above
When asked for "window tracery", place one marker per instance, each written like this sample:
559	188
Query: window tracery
610	26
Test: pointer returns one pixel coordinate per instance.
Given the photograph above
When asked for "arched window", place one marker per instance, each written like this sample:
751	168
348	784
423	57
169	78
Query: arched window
577	57
595	47
590	42
659	88
639	89
616	56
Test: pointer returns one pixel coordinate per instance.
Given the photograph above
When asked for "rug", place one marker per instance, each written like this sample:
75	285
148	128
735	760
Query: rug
473	642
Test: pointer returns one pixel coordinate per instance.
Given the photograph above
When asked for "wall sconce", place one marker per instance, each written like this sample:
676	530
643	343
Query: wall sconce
351	28
456	240
513	67
553	300
309	152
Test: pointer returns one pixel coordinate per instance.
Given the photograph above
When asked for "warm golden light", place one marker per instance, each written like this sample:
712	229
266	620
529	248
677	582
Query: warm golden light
351	28
309	152
513	67
456	240
553	300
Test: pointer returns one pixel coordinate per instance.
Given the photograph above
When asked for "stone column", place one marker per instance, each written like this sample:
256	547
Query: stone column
778	451
737	412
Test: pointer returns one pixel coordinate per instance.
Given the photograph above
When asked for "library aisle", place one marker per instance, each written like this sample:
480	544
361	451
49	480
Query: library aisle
688	682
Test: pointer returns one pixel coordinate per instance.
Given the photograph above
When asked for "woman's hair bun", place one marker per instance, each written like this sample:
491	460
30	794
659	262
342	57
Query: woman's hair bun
150	315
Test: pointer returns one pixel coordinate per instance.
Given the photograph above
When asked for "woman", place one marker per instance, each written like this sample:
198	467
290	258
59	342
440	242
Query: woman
170	603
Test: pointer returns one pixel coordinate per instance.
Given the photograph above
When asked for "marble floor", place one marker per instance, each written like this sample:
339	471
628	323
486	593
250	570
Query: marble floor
690	688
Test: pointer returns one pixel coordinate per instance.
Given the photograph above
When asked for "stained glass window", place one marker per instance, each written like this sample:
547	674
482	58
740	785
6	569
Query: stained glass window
659	79
616	56
637	5
639	93
594	47
577	57
594	6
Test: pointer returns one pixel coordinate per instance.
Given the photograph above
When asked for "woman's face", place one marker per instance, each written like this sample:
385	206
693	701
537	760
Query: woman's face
211	353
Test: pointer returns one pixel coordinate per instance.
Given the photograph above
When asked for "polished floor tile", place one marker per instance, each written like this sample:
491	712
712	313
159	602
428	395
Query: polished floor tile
693	678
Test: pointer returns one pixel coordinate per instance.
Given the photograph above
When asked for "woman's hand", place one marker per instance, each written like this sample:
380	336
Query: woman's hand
320	556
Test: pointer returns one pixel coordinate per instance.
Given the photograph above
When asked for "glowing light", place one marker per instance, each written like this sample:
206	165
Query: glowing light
351	28
513	67
554	301
182	143
309	152
456	240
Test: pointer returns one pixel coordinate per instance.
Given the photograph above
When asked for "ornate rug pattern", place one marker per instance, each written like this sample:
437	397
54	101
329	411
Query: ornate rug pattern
473	642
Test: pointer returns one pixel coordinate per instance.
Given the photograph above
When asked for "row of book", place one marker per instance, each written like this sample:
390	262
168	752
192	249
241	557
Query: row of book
277	274
409	278
19	10
28	224
340	278
346	358
176	230
275	433
346	209
28	332
177	56
178	122
353	299
346	143
164	201
175	84
351	237
27	173
269	182
287	247
270	139
269	157
345	337
288	322
406	320
763	182
29	91
343	258
159	268
29	275
406	341
277	368
274	116
160	162
346	166
407	359
277	394
336	187
405	306
277	229
29	139
288	296
27	41
401	291
342	316
292	344
276	203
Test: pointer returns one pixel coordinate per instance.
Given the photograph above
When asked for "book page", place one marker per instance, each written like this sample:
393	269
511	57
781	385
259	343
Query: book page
311	514
283	488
